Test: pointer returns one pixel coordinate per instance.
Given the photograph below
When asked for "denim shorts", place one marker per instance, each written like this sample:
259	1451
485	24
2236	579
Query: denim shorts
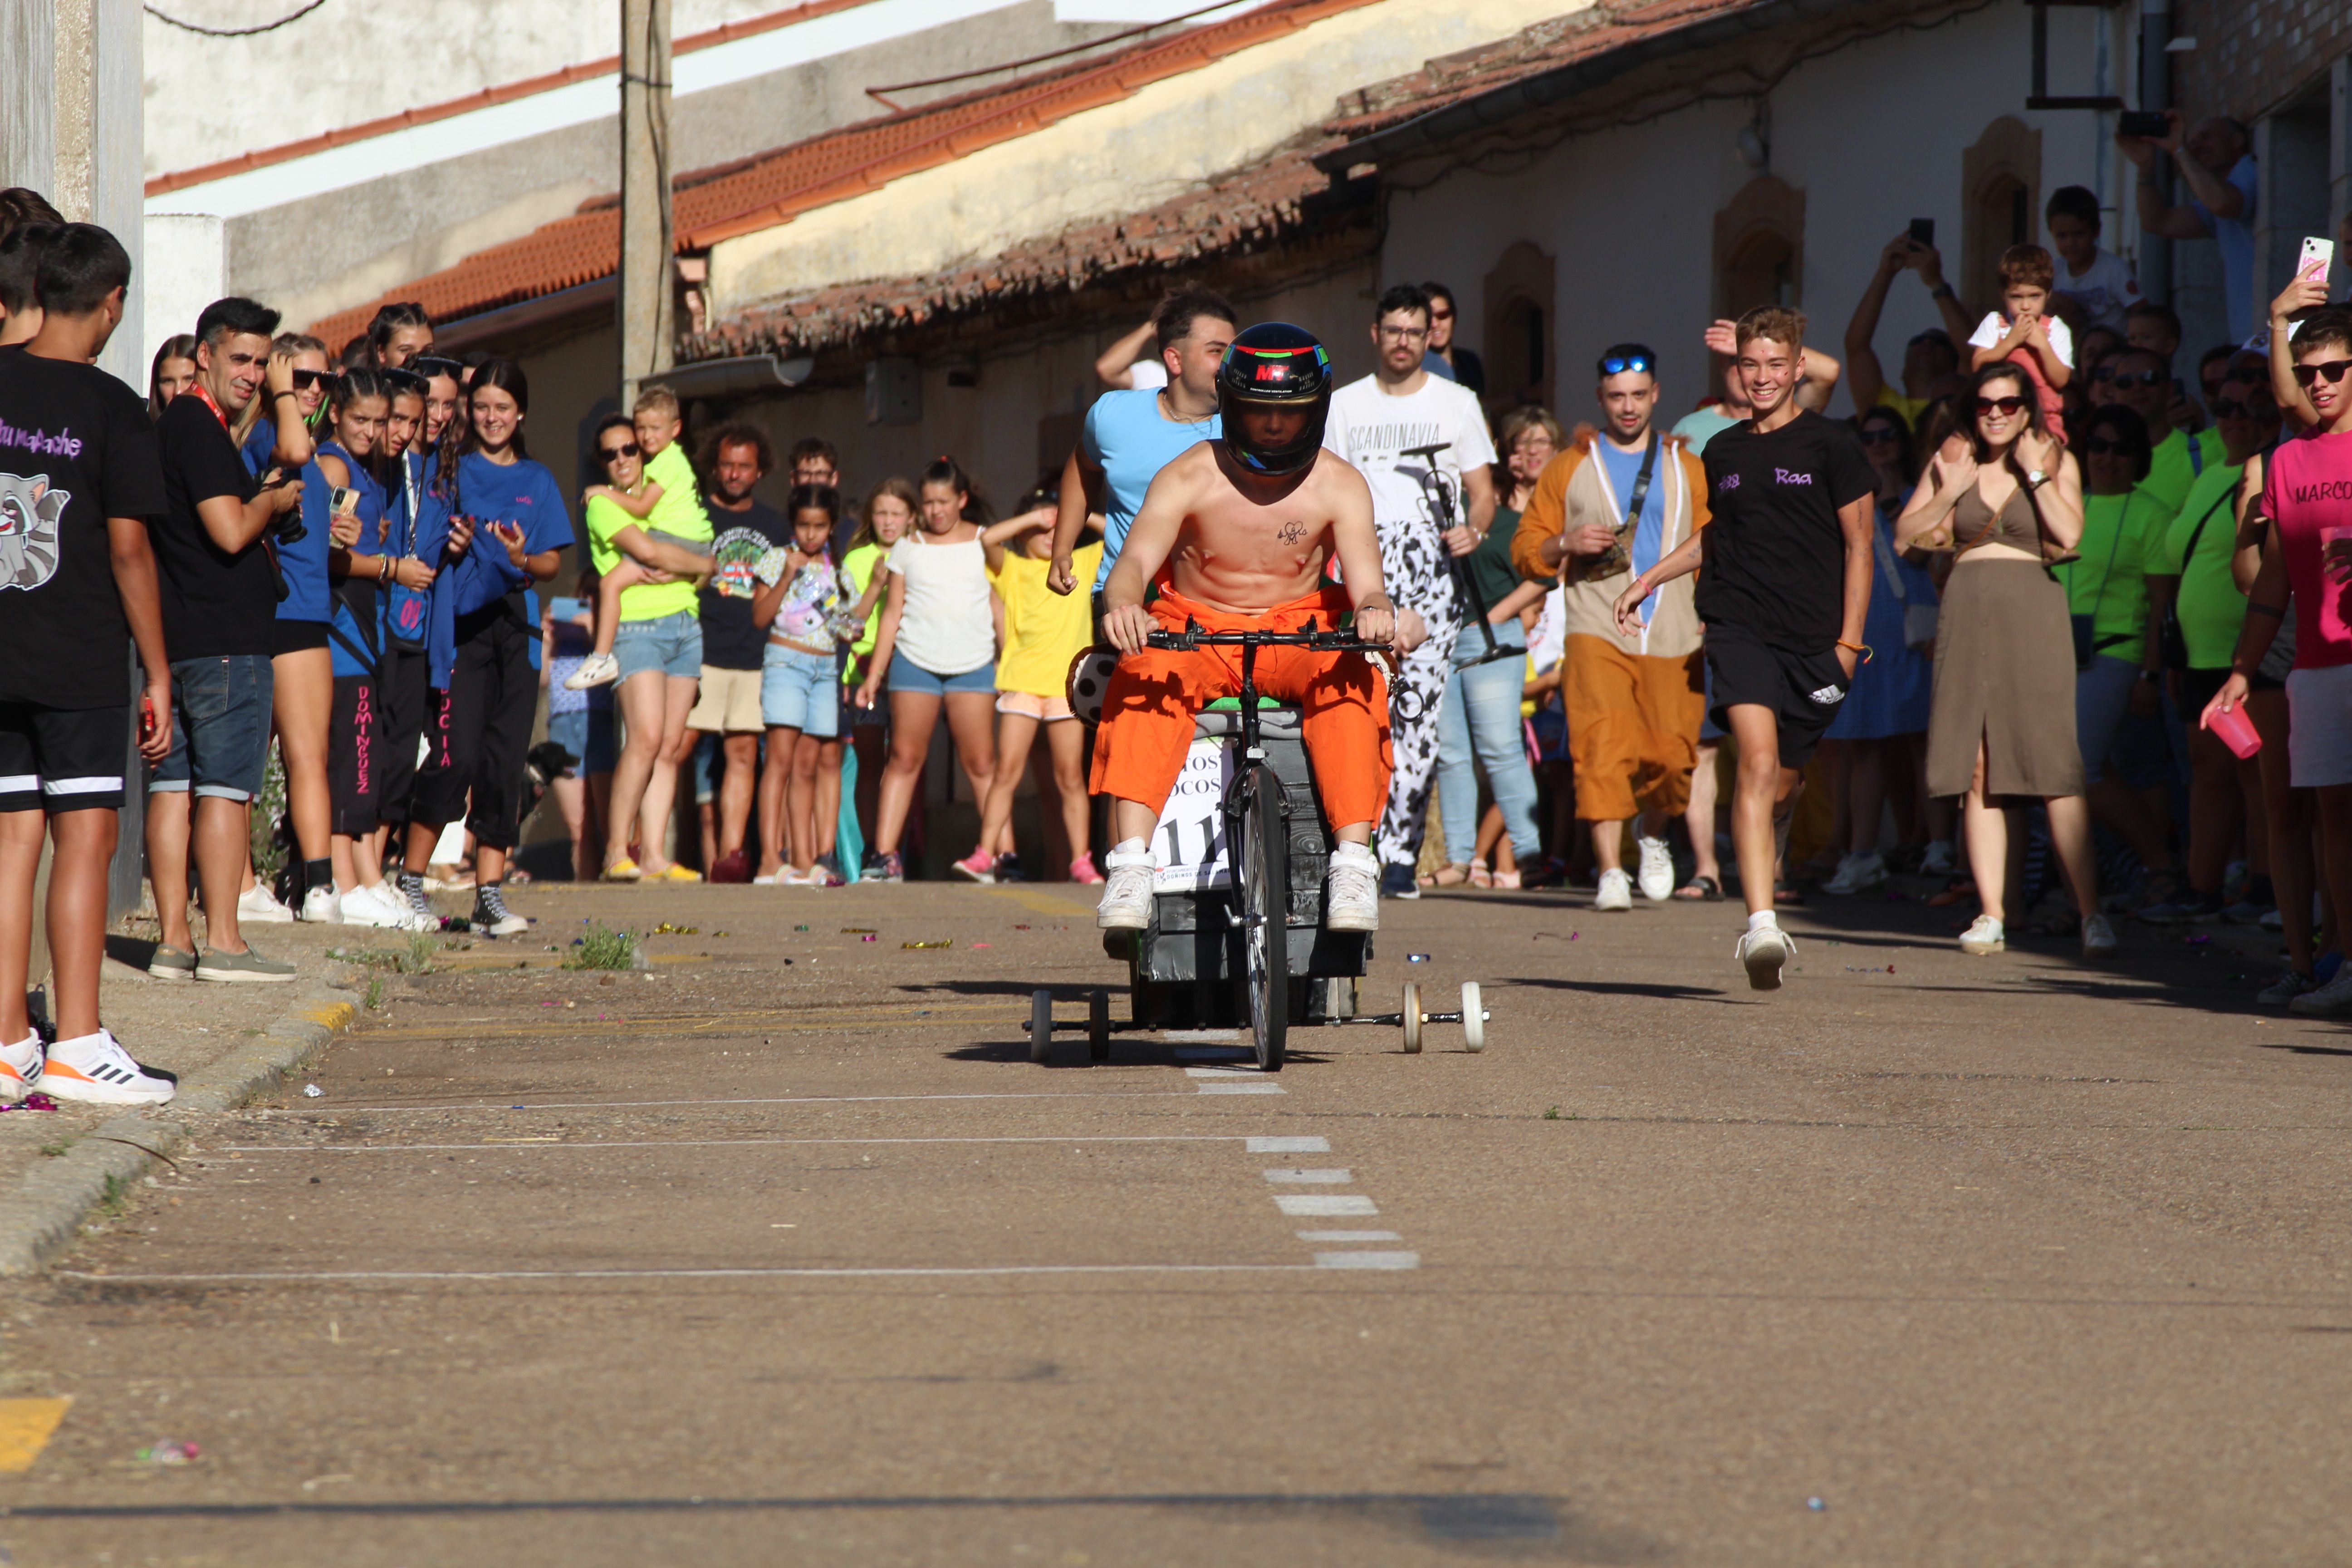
906	675
671	644
587	734
800	692
220	729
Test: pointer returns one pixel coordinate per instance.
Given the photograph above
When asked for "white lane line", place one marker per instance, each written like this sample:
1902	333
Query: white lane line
1079	1140
493	1274
1211	1053
1175	1035
1329	1204
1311	1178
668	1104
1233	1071
1367	1260
1290	1145
1242	1089
1328	1235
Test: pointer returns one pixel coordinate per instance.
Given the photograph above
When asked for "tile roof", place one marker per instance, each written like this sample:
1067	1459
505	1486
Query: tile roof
771	188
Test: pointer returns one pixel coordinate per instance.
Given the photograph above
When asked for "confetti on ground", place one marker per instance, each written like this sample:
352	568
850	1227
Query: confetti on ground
908	946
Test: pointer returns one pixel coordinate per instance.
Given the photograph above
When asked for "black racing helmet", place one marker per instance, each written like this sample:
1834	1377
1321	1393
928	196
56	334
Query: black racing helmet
1274	363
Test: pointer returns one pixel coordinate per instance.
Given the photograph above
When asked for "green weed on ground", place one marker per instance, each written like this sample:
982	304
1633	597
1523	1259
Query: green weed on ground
600	947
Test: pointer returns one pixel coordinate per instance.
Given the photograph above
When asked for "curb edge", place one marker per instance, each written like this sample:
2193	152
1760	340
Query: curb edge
58	1195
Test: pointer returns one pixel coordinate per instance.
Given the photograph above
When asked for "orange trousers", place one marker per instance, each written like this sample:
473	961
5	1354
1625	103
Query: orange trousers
1147	722
1632	728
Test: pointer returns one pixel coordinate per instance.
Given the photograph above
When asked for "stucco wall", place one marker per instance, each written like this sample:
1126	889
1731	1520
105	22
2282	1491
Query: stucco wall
1121	157
1873	134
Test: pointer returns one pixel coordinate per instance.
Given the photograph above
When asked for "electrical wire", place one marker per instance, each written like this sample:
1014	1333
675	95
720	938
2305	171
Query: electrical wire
294	15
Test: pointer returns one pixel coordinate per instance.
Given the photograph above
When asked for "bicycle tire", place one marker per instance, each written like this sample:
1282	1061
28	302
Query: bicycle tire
1262	896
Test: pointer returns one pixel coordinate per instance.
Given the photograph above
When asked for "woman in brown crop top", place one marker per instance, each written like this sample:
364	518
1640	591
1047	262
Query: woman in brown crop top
2002	730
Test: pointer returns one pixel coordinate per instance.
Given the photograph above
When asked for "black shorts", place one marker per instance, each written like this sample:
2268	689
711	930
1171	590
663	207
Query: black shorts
62	759
295	636
2200	687
1804	690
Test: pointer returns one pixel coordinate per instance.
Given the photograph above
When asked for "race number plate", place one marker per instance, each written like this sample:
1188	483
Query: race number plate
1189	845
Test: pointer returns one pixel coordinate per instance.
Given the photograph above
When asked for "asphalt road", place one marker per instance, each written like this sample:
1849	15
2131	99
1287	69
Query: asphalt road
2003	1260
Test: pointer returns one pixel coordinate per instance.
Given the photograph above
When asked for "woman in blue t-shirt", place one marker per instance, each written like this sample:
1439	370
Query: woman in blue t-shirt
302	674
508	531
419	635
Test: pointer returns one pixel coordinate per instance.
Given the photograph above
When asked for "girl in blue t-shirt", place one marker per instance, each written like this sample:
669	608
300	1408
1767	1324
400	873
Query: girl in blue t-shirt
302	673
418	638
507	532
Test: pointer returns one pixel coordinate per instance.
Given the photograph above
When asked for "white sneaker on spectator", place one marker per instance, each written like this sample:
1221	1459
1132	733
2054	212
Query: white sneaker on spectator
97	1069
1763	951
1616	892
20	1069
1938	861
1857	874
1658	874
2327	1001
258	905
320	904
596	670
1127	892
377	906
2098	936
1352	889
1986	935
2284	989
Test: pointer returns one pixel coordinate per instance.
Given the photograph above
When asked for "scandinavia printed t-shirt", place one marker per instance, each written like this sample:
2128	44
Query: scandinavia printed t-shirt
76	449
1378	432
1775	554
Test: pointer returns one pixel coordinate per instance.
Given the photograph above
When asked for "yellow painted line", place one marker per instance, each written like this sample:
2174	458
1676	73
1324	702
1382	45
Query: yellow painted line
25	1427
333	1016
1041	904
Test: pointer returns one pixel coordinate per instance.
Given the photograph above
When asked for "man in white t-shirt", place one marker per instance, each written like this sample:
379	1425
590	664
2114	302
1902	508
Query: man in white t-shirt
1415	438
2099	281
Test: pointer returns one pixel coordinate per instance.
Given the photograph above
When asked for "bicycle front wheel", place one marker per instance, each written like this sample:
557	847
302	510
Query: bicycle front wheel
1263	897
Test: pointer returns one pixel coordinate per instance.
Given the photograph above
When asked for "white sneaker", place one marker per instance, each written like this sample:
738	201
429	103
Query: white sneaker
2329	1000
379	906
1657	875
1857	874
2284	989
596	670
2098	936
1986	935
1616	891
20	1069
1763	951
1352	889
320	904
258	905
1127	892
96	1068
1938	861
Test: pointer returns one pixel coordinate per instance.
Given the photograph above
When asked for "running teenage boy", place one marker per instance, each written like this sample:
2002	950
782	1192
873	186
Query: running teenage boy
77	577
1236	534
1786	588
1410	434
1130	436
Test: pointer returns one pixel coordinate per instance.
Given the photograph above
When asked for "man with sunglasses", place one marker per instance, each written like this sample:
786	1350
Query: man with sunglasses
1786	587
2140	380
1610	505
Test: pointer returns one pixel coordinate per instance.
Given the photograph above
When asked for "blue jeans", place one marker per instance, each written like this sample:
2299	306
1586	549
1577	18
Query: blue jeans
800	690
1480	717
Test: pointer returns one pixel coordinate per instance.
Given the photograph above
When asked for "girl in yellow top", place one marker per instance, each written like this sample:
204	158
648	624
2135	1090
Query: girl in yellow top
1044	631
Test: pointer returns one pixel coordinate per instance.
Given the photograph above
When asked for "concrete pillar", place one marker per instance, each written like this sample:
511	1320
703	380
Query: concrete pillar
646	288
187	269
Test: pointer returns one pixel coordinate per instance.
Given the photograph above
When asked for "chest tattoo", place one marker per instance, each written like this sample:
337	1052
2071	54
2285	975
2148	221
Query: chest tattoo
1291	533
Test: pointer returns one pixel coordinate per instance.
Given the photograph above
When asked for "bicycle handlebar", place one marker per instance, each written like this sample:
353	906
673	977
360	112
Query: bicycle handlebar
1327	642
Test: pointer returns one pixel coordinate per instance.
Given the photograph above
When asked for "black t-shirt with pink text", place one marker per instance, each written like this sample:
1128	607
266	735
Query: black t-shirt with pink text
1775	554
76	449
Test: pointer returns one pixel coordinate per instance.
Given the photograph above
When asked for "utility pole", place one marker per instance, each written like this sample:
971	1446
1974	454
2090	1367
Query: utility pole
645	289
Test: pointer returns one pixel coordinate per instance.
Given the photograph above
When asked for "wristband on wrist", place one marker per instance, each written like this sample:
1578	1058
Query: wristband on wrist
1862	649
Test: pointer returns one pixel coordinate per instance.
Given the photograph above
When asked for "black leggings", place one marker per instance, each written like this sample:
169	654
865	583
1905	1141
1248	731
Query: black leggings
484	732
404	700
355	755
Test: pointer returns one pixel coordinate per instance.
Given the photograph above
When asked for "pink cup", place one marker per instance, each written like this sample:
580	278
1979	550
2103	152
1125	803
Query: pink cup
2235	730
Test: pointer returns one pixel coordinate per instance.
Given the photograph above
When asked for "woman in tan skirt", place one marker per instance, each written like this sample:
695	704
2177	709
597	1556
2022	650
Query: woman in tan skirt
2001	495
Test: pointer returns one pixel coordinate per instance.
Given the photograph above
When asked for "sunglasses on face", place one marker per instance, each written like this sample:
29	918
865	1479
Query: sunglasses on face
2305	375
1618	364
304	380
2101	448
2001	404
625	449
1881	435
2127	379
2242	408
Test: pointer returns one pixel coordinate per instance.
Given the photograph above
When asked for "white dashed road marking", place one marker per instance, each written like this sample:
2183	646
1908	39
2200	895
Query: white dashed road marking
1311	1178
1332	1204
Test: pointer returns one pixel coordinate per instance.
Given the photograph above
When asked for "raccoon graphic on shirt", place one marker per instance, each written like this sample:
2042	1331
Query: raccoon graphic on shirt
30	512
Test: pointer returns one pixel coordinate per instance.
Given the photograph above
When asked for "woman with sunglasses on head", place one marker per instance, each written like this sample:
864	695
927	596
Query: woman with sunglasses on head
1882	725
2307	499
2195	601
2004	498
419	626
507	533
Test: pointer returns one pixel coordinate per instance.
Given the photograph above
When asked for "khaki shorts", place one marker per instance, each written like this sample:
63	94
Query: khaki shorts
1030	704
729	702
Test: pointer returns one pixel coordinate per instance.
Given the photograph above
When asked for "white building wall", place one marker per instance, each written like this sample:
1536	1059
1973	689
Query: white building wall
1874	136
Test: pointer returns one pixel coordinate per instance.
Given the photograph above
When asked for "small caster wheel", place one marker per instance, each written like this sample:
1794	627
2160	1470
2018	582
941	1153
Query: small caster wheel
1412	1017
1041	1025
1098	1026
1474	1018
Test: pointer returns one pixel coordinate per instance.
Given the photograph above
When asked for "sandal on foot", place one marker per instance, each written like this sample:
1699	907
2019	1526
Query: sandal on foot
1480	875
1706	887
1448	876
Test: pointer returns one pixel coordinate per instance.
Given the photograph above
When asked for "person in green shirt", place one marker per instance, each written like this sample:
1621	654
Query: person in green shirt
2189	574
2141	381
2117	672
